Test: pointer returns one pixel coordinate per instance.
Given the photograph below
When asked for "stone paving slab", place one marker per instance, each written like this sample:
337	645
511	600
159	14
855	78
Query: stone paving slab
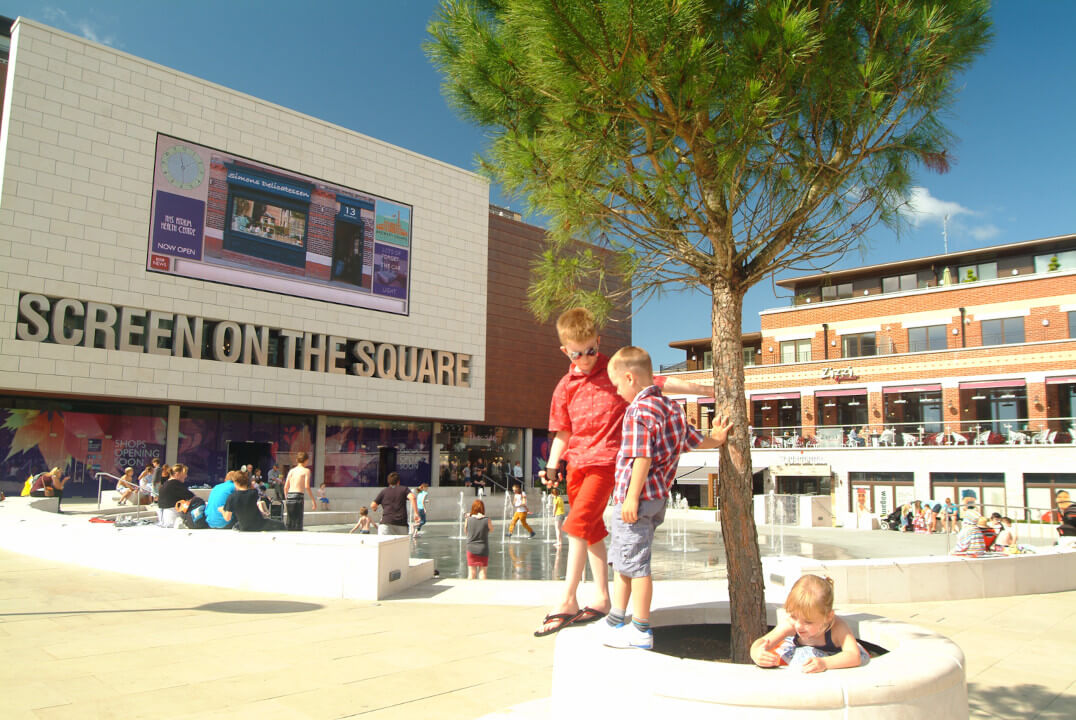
83	643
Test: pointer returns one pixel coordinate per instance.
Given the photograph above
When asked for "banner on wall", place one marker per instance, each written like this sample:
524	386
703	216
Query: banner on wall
229	219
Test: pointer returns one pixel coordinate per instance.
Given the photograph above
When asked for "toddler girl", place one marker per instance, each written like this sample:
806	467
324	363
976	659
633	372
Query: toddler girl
811	636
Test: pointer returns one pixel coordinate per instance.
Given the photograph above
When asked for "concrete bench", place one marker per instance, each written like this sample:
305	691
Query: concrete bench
922	677
328	565
923	579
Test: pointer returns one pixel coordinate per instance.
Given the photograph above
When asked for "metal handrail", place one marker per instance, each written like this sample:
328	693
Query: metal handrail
110	476
972	431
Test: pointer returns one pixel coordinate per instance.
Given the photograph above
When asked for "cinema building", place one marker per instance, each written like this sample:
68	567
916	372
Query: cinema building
957	373
196	274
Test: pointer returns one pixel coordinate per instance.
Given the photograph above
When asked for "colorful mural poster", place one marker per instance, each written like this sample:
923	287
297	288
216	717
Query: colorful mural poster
390	271
393	223
81	444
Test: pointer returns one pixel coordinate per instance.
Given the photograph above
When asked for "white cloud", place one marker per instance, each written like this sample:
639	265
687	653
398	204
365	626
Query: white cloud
922	208
80	26
985	232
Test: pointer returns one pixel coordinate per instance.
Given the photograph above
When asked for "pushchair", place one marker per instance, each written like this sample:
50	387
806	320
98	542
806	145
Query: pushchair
890	521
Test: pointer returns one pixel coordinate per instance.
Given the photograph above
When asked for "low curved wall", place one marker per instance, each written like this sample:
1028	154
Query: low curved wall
932	578
921	677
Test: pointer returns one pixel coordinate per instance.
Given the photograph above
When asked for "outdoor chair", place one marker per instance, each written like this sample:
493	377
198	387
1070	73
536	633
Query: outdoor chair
959	439
888	437
1018	438
909	439
1039	438
982	438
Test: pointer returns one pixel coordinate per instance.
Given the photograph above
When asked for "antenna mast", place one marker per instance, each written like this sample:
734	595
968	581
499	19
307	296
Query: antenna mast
945	233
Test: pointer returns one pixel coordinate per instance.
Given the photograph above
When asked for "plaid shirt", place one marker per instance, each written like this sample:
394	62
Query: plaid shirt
654	427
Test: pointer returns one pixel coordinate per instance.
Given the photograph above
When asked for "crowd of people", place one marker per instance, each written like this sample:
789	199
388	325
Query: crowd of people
480	475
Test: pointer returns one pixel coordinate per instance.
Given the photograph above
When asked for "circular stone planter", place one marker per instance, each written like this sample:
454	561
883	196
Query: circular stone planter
922	676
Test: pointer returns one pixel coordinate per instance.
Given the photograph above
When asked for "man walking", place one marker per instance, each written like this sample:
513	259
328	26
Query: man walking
394	502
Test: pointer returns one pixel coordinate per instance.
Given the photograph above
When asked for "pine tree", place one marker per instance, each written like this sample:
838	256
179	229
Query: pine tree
707	144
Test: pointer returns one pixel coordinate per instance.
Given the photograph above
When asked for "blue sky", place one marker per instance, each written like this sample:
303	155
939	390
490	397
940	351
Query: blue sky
359	64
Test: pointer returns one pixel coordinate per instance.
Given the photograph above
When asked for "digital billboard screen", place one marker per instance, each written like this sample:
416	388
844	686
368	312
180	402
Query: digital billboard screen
232	220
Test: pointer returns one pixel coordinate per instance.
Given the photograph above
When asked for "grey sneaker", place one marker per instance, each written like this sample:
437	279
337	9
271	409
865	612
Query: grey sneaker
629	636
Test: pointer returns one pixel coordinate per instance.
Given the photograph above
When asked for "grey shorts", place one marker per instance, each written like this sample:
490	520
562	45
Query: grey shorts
384	529
629	549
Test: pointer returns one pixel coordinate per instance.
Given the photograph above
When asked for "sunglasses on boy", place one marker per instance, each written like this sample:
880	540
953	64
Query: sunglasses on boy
589	352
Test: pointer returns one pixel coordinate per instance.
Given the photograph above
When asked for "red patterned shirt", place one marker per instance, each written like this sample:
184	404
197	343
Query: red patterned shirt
589	407
654	427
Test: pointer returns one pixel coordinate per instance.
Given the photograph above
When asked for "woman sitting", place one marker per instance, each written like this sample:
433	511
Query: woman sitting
50	484
126	486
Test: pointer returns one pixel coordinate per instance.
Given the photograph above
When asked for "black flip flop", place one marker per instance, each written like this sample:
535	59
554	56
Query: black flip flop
564	618
587	615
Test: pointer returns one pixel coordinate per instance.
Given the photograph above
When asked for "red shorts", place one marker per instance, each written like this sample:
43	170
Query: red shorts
477	560
589	489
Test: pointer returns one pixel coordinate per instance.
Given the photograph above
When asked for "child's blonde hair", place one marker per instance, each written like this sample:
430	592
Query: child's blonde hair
811	598
635	360
576	325
364	511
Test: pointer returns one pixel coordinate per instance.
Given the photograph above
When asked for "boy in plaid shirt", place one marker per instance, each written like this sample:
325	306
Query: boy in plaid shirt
654	433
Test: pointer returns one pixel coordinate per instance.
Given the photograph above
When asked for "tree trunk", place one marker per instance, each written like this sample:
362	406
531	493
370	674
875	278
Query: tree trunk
746	589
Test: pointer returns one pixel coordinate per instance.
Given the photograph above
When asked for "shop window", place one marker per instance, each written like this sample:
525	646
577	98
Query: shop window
879	493
1003	331
927	338
859	345
268	221
81	438
796	351
981	271
986	491
1040	493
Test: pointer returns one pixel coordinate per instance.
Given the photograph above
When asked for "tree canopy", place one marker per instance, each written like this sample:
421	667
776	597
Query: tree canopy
706	139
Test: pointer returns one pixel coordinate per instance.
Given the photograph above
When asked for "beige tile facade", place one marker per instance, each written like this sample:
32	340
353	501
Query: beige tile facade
77	156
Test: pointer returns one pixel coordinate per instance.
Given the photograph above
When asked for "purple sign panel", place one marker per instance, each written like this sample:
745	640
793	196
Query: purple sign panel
390	271
177	226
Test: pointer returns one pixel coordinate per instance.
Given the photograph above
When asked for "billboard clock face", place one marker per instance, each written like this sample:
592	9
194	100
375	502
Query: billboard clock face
183	167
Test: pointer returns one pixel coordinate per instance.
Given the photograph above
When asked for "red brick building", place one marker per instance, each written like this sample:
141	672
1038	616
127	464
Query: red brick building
973	352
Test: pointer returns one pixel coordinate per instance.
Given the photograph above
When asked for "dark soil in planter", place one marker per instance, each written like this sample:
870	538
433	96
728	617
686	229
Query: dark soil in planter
710	642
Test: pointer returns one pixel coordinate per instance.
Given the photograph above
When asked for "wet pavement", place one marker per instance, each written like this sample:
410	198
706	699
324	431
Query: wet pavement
685	549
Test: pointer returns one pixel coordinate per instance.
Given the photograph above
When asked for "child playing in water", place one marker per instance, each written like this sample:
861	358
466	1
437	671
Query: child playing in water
811	636
365	524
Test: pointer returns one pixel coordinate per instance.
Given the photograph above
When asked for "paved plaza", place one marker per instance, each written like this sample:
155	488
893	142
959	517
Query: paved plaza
83	643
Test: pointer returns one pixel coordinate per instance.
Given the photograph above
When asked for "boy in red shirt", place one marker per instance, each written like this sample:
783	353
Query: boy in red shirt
586	414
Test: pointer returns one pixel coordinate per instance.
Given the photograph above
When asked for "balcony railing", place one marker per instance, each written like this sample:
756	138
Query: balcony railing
997	433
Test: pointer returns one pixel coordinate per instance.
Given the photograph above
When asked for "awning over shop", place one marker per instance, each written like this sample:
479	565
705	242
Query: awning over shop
911	388
985	384
694	472
705	401
800	471
776	396
1063	380
840	392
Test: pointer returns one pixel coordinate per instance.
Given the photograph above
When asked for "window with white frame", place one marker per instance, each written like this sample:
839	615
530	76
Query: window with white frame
795	351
